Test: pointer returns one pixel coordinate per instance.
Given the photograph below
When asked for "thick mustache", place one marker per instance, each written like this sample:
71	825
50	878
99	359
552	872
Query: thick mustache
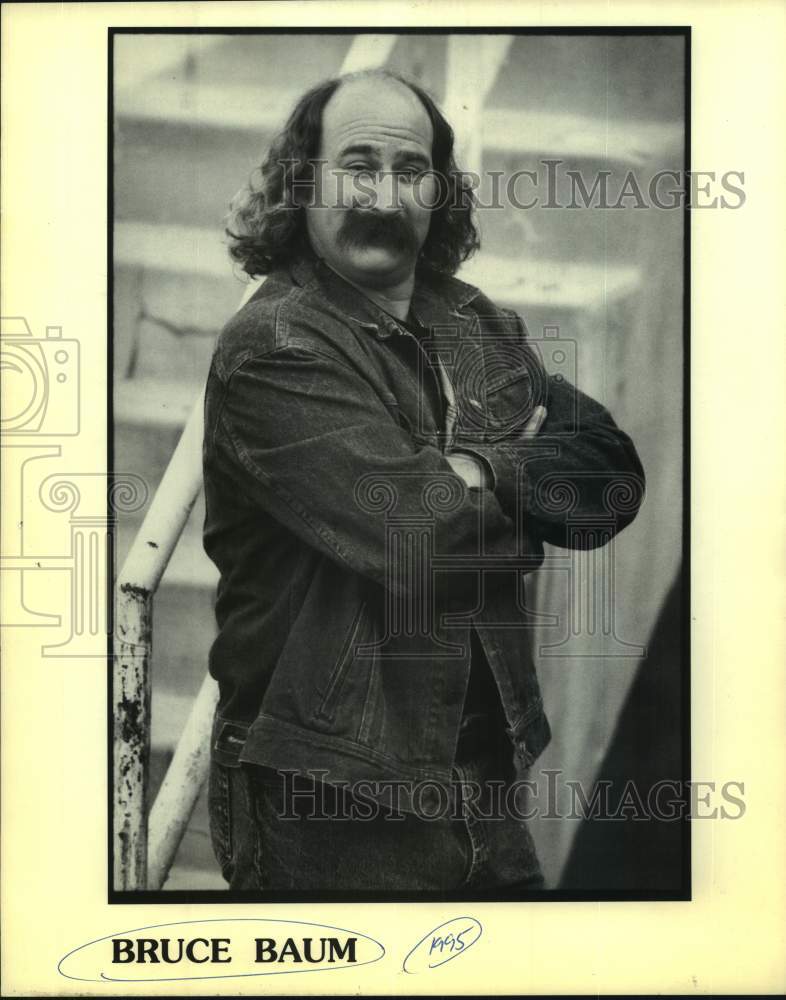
369	228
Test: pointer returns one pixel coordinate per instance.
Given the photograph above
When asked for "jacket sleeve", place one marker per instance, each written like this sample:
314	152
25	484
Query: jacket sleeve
577	482
305	436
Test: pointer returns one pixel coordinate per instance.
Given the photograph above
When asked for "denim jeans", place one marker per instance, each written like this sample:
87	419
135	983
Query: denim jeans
267	839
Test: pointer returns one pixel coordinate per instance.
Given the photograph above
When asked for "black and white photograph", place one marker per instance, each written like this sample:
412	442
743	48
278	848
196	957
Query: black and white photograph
400	360
391	521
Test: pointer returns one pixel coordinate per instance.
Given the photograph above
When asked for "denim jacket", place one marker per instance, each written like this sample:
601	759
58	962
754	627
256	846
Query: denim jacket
353	561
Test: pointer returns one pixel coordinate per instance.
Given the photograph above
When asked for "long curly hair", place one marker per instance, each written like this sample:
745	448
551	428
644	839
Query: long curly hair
266	224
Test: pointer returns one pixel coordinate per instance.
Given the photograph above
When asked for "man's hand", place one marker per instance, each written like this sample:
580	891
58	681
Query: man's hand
535	422
475	473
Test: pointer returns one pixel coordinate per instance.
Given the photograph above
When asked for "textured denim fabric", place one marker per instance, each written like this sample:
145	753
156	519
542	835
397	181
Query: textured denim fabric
320	439
268	840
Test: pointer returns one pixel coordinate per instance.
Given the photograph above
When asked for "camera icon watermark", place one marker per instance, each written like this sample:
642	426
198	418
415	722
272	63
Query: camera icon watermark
58	540
559	357
493	382
40	381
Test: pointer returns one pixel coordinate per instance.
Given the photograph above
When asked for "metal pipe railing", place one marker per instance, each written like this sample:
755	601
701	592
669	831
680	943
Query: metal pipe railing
133	646
144	850
180	789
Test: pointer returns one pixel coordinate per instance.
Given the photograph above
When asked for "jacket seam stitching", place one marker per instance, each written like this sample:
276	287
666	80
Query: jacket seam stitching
320	531
249	353
361	751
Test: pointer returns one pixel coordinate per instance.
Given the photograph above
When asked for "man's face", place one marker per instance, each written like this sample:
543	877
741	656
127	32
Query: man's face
371	215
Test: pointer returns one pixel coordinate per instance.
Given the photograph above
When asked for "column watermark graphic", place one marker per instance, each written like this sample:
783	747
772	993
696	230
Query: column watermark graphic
74	510
491	384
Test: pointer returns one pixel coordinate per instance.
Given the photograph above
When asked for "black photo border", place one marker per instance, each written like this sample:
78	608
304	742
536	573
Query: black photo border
219	896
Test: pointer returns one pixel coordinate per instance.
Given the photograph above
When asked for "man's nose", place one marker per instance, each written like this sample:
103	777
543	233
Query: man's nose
380	192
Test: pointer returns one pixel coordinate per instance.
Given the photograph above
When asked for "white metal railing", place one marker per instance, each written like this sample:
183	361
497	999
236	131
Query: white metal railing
145	848
144	851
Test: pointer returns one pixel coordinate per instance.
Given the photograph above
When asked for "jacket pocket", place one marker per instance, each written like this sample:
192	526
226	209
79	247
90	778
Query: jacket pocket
510	401
330	701
227	741
219	804
512	395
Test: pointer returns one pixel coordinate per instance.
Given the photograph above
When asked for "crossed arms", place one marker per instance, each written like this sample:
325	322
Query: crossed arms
304	435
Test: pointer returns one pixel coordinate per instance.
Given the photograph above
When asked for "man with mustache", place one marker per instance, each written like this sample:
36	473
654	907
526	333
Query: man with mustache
377	466
368	228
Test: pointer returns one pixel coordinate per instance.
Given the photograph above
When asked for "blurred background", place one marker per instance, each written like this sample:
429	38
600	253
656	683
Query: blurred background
193	117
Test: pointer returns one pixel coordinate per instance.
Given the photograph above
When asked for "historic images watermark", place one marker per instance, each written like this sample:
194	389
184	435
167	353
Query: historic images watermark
551	185
314	795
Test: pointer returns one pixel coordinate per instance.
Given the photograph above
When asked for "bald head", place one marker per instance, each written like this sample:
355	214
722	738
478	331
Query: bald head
374	106
375	180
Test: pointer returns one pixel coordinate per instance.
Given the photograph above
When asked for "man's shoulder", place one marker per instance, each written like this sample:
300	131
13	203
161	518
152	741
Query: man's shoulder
251	330
282	313
266	322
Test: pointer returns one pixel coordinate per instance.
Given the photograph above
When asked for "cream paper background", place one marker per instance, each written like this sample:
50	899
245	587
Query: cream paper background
730	938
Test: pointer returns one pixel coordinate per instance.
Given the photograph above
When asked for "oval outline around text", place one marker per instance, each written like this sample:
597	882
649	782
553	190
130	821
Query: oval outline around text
102	977
453	920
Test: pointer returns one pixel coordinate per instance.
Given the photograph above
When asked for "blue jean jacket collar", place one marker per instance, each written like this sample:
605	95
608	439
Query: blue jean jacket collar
437	299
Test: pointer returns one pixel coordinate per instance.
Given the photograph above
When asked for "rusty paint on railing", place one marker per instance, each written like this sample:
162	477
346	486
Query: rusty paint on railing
133	648
143	857
131	691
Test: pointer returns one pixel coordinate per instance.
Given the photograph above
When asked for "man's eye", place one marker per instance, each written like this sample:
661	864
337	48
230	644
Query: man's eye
409	174
360	168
